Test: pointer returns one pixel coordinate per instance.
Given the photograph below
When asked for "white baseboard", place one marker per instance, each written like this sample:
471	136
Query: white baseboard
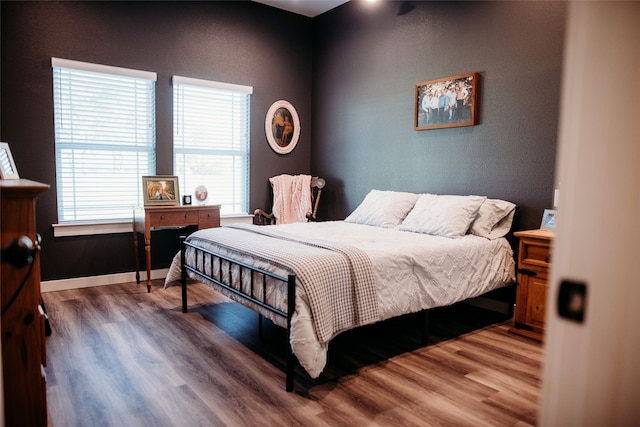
107	279
112	279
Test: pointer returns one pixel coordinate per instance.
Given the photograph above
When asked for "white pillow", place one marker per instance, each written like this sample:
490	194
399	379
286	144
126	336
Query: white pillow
442	215
383	208
494	219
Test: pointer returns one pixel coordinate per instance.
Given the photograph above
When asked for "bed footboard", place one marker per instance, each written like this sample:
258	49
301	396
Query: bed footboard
246	298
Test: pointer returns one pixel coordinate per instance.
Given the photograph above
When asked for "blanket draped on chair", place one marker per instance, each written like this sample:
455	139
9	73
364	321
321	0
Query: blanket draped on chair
291	198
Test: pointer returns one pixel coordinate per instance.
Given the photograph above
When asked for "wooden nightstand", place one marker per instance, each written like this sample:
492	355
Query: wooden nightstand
534	262
155	217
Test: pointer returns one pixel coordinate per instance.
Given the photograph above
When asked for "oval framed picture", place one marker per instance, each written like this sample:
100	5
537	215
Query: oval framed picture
201	194
282	127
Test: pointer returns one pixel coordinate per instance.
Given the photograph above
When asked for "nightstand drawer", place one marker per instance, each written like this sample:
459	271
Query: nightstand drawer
535	254
173	219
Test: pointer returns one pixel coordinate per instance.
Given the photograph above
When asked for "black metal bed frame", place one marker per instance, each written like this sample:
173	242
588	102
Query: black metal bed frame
244	268
290	280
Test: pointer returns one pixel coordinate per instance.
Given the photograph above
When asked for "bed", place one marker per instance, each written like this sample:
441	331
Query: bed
397	253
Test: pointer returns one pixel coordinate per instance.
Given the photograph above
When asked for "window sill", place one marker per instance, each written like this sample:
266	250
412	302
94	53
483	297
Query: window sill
91	228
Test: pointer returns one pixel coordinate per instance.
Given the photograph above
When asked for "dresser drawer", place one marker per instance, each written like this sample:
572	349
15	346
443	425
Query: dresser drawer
209	218
173	219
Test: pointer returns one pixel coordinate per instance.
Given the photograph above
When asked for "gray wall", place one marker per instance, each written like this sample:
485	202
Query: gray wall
350	73
237	42
367	61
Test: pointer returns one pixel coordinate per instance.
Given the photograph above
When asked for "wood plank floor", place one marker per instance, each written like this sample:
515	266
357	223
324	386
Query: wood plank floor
120	356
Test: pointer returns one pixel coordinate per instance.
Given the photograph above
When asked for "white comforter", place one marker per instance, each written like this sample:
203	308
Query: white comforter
412	272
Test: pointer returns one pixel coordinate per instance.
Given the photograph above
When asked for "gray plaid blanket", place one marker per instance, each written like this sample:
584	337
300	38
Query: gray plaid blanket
337	279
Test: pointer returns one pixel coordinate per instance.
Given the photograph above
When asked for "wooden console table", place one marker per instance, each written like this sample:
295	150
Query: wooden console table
149	218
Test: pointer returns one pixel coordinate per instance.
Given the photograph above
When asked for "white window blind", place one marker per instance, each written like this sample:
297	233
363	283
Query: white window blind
211	140
105	139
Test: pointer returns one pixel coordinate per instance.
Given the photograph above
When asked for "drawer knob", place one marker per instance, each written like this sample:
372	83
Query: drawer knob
28	319
161	216
186	216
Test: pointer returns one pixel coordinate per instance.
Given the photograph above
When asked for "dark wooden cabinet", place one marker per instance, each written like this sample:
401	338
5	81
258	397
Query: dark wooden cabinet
23	322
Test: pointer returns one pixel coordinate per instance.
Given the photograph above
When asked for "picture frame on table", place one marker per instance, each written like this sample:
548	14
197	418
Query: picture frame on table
8	168
549	220
447	102
161	190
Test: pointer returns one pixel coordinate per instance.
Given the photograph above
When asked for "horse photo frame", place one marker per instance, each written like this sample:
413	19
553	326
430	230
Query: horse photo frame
282	127
161	190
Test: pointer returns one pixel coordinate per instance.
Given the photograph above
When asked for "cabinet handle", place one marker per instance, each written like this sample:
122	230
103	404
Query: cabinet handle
186	216
527	272
161	216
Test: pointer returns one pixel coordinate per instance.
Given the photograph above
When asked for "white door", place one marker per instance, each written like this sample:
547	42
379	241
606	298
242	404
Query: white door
591	371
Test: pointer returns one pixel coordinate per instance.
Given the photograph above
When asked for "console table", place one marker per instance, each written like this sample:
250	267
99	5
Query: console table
148	218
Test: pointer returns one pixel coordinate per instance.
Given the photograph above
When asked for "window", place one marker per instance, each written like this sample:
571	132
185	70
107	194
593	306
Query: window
211	140
105	139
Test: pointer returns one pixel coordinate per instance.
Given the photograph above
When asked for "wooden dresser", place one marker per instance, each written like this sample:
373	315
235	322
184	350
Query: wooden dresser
149	218
534	262
23	337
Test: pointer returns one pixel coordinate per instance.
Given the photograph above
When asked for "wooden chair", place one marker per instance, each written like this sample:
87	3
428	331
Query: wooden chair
317	184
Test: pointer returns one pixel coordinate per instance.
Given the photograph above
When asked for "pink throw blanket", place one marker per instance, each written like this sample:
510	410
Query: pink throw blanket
291	198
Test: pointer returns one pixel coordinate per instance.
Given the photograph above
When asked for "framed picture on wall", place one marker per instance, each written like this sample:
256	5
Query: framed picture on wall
447	102
282	127
161	190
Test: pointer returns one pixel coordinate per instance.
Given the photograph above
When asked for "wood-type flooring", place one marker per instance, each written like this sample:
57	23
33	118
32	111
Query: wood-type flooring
119	356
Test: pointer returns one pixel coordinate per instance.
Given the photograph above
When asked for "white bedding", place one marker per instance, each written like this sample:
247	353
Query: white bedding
412	272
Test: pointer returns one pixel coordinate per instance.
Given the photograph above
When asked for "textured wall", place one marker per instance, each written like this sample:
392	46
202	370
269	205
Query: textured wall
367	61
358	66
238	42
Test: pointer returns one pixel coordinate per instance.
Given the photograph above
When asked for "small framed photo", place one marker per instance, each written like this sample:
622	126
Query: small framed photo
549	220
161	190
7	166
447	102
